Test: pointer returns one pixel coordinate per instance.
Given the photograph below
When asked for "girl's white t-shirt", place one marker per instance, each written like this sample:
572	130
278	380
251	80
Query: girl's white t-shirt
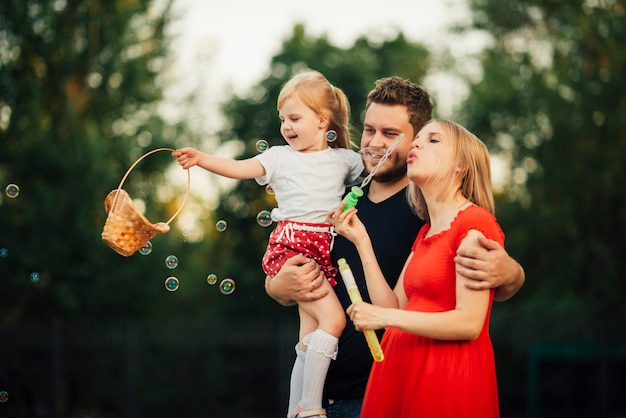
308	185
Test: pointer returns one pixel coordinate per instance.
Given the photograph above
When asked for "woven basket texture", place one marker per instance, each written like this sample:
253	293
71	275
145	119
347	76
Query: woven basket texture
126	230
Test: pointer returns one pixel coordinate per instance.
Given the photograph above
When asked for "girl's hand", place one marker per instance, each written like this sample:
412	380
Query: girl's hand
187	157
367	316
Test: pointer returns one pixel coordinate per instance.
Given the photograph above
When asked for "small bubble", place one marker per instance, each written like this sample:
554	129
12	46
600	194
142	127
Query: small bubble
264	218
146	249
12	190
171	284
227	286
221	225
262	145
269	190
211	279
171	261
35	277
4	396
186	232
4	253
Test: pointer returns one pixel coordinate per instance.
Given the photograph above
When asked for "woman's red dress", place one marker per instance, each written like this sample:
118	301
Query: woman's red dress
424	377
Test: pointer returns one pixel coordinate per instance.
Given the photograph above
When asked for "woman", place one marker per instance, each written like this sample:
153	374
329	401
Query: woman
439	359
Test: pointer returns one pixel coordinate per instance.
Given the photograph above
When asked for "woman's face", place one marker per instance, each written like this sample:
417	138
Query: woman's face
430	156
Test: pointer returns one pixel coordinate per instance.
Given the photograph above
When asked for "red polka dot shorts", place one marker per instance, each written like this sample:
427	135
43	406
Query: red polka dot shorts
314	240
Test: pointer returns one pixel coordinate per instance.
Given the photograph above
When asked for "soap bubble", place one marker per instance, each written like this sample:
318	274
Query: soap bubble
4	396
171	261
146	249
35	277
4	253
264	218
262	145
186	232
221	225
171	284
227	286
211	279
12	190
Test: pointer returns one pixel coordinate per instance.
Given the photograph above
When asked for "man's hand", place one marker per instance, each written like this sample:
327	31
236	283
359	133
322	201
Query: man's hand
490	267
299	280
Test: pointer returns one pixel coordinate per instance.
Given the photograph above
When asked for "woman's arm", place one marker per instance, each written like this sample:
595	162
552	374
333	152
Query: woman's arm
351	227
464	322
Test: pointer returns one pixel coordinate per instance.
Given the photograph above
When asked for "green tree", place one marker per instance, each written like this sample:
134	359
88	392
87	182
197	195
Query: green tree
551	102
79	83
254	116
551	105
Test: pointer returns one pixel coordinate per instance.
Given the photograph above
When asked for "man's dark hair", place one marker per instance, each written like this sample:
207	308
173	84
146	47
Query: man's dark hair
397	91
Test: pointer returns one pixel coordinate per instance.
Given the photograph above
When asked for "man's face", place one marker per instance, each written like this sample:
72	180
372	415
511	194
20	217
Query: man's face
381	127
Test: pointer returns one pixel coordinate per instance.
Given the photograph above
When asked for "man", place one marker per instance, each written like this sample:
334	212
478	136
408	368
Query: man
394	107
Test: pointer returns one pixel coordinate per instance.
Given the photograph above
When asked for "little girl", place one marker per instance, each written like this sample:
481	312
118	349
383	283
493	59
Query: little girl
308	177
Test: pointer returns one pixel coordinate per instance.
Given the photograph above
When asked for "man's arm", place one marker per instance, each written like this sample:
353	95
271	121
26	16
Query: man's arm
297	281
491	267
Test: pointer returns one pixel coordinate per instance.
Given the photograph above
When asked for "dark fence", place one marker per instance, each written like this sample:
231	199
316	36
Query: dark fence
188	369
169	369
576	379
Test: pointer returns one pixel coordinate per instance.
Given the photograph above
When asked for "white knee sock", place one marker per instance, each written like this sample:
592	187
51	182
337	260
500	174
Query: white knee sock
297	378
321	348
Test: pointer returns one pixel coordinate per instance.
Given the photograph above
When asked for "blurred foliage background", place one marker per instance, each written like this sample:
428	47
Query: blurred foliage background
98	335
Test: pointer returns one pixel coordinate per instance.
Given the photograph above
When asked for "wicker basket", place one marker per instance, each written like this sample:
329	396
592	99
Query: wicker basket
126	230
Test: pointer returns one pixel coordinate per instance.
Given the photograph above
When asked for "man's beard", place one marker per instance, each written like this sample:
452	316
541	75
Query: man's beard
389	174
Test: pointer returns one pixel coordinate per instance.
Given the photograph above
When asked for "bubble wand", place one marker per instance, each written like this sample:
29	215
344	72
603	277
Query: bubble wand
355	296
352	197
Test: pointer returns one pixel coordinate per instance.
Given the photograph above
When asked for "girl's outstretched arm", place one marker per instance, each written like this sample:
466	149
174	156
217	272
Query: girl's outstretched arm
227	167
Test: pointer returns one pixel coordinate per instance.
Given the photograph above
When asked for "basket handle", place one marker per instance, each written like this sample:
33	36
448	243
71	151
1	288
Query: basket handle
135	164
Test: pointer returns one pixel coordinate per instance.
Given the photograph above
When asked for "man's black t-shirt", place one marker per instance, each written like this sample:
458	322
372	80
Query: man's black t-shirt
392	227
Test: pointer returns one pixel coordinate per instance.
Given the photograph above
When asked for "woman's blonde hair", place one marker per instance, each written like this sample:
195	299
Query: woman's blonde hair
315	91
470	166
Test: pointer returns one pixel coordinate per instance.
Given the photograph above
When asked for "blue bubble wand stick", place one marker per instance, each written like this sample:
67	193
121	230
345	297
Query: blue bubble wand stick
352	197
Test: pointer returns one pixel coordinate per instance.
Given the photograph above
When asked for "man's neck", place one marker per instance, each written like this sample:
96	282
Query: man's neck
379	192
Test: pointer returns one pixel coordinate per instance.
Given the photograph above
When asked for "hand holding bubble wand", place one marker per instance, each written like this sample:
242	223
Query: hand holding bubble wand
351	200
352	197
355	296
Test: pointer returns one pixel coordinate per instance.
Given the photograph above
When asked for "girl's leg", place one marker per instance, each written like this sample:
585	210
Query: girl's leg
297	379
329	320
321	349
308	324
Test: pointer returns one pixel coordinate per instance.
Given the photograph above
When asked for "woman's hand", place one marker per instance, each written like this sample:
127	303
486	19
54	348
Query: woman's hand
367	316
347	223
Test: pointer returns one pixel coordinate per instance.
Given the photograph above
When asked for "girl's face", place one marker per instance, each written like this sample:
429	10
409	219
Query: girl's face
430	155
303	129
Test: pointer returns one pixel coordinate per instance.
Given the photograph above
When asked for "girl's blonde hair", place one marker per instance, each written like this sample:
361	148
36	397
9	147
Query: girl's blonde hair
315	91
470	166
